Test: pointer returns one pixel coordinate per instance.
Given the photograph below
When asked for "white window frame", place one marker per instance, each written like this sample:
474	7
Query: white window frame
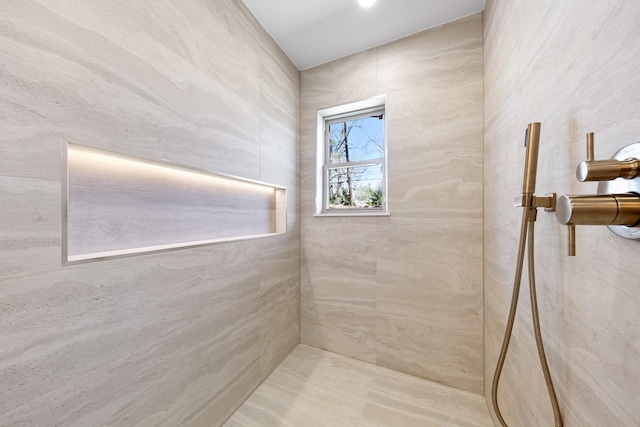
328	115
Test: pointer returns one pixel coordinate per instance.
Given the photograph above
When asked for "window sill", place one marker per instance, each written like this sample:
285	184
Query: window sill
346	214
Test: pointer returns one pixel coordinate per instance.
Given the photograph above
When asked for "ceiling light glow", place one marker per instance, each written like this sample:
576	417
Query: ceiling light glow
366	3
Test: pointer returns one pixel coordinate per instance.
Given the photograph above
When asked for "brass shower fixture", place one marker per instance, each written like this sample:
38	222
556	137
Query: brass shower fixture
605	170
617	204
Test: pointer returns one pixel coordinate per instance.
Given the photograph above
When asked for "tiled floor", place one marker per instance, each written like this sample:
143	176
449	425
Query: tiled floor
317	388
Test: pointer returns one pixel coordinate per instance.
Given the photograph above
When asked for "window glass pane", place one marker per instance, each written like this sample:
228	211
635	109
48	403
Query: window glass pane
355	187
358	139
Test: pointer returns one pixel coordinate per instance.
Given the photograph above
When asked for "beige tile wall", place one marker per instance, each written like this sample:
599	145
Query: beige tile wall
175	338
572	66
404	291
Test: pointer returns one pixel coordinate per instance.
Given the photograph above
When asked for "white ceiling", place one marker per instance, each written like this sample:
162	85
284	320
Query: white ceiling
312	32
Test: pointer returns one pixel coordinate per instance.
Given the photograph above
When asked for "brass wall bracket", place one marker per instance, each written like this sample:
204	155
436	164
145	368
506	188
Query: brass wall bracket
548	202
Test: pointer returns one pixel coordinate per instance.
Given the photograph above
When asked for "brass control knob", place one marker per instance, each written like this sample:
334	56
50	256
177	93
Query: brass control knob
604	209
605	170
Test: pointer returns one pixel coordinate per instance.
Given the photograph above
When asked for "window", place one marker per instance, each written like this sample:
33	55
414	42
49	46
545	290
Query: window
352	159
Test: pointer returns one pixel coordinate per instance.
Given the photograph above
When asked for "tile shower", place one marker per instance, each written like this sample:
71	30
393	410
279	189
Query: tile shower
184	337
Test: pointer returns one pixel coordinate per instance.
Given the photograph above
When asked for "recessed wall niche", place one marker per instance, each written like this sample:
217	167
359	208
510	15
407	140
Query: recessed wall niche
116	205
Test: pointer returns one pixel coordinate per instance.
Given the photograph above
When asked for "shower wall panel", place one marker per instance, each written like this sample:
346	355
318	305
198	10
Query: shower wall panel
175	338
574	69
404	291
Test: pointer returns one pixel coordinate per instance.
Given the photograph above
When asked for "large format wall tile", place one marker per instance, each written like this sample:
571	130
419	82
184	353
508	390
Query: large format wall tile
104	322
180	337
404	291
574	69
177	357
428	320
29	230
338	287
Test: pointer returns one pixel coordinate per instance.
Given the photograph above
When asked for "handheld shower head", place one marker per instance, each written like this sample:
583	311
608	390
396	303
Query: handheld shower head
531	143
530	202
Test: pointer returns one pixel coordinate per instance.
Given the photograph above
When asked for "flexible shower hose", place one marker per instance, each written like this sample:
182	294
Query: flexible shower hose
528	217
